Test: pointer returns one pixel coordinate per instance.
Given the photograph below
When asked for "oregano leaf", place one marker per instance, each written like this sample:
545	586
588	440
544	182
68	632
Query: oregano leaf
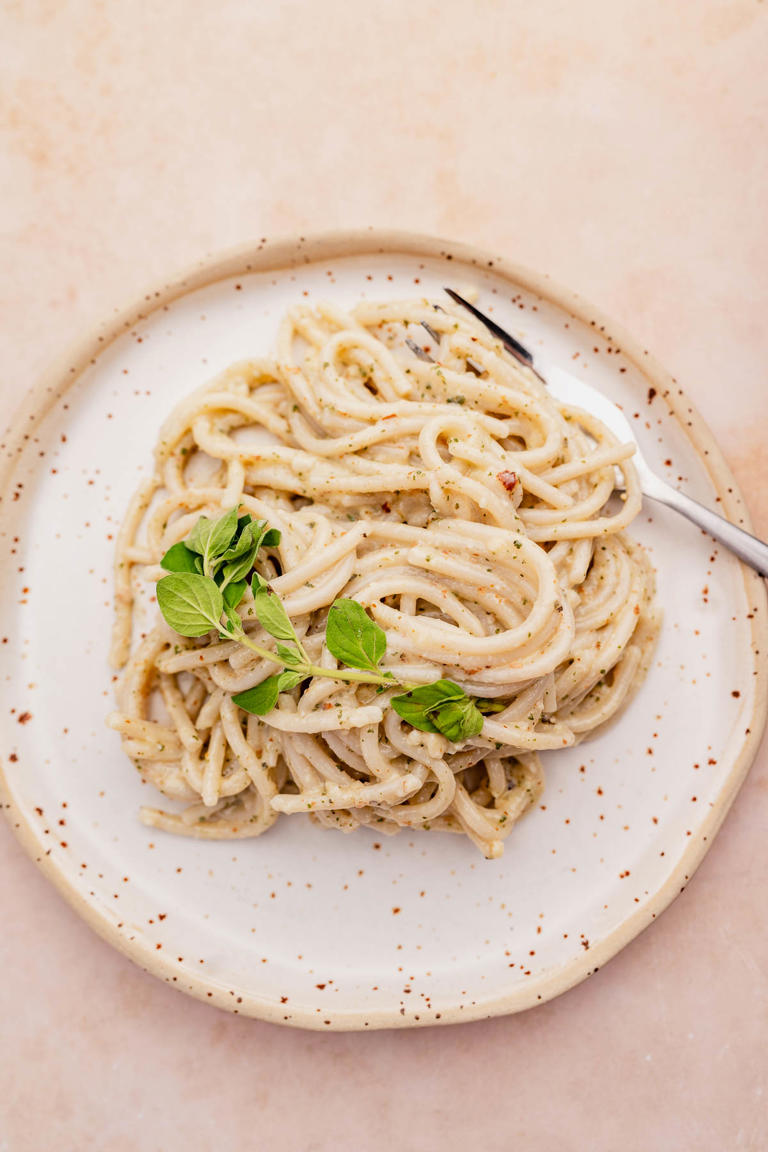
240	567
421	706
413	713
291	657
210	538
261	699
178	558
190	603
233	593
271	614
245	540
353	637
457	719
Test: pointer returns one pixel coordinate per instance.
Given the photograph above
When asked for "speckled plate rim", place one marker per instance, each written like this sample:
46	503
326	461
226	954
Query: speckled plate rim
295	251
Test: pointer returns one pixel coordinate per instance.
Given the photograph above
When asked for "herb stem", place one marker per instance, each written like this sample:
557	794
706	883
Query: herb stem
350	674
355	676
241	638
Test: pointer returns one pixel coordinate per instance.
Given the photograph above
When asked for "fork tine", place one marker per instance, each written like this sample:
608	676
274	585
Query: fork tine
436	336
418	350
518	350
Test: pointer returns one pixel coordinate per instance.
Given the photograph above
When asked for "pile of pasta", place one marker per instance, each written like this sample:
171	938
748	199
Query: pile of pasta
481	524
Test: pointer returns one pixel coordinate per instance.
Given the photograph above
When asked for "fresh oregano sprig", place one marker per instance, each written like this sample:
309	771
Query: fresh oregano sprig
208	576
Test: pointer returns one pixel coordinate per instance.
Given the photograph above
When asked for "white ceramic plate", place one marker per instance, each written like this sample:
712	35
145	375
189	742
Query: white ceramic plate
311	927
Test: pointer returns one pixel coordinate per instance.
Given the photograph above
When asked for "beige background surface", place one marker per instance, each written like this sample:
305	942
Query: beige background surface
621	146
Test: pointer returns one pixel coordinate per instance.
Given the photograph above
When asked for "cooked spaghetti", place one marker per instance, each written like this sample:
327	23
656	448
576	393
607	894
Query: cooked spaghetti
480	523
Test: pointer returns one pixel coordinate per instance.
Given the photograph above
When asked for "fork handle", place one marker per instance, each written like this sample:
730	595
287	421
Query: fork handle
747	547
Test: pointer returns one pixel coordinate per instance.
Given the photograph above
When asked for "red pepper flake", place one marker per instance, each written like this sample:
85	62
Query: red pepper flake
25	717
651	394
320	986
508	479
395	911
385	507
735	694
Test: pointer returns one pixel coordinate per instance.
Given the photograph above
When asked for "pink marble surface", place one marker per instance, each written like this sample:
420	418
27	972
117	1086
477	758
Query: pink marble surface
619	145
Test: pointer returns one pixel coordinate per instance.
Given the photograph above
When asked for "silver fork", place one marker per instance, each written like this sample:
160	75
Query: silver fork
573	391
